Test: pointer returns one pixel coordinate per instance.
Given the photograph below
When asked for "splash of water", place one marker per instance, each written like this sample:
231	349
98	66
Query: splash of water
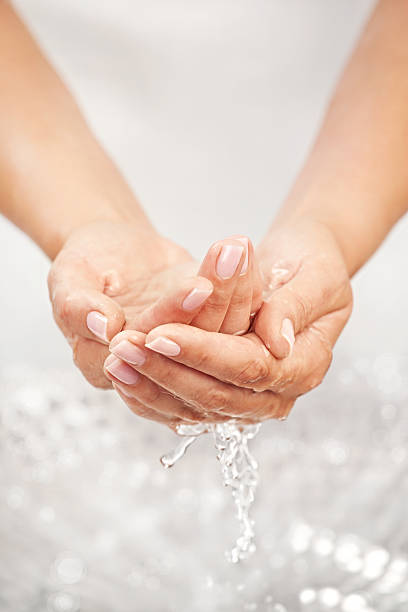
239	472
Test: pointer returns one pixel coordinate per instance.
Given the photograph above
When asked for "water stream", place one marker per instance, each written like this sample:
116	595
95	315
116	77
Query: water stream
239	472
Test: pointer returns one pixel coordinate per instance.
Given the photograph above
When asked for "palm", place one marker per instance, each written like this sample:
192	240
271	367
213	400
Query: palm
116	260
112	254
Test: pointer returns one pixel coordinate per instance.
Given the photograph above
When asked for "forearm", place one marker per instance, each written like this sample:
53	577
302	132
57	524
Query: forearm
54	175
355	180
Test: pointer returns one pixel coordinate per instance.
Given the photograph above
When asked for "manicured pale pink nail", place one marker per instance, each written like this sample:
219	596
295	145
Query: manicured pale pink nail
228	260
122	389
164	346
288	333
97	323
195	298
129	352
244	268
120	370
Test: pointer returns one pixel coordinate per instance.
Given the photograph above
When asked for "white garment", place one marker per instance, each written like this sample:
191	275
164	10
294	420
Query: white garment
209	107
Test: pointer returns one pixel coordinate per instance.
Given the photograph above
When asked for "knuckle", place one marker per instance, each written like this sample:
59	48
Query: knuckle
202	361
280	381
254	371
214	399
238	301
215	306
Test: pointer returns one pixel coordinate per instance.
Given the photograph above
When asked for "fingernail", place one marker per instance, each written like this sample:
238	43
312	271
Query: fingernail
122	389
244	268
228	260
164	346
129	352
97	323
288	333
120	370
195	298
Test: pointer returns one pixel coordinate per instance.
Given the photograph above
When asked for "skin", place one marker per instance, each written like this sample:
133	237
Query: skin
107	257
351	191
100	269
237	376
231	303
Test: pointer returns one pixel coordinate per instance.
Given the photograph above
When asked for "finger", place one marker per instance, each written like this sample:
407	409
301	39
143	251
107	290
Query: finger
80	306
181	306
294	306
140	391
237	317
222	266
142	404
144	411
244	361
196	389
247	296
241	360
146	392
89	356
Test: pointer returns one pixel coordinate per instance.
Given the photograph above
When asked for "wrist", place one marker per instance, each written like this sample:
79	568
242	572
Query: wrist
95	212
345	218
294	241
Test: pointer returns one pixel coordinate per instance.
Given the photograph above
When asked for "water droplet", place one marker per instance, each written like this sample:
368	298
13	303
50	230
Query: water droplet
307	596
173	456
329	597
15	497
69	569
62	602
354	603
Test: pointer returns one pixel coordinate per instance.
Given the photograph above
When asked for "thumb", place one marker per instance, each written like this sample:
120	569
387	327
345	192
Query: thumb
80	306
293	307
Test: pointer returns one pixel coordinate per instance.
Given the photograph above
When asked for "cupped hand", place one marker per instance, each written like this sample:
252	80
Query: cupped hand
230	308
113	276
202	375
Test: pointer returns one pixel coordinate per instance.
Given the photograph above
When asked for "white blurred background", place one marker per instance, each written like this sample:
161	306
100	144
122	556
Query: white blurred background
209	109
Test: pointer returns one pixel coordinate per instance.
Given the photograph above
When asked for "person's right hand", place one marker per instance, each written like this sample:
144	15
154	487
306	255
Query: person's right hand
111	276
195	374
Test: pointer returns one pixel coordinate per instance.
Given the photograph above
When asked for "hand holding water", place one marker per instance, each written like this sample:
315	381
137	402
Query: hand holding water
231	267
201	375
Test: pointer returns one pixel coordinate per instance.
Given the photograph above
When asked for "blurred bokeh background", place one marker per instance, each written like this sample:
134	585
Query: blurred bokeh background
209	109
